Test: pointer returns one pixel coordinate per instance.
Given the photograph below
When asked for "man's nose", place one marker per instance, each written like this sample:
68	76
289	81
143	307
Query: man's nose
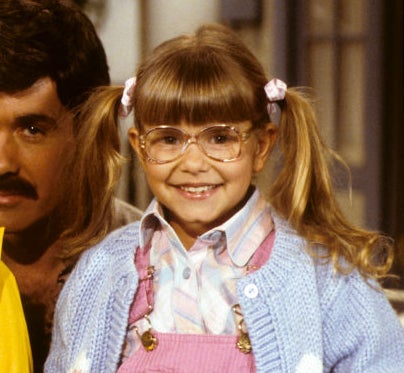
8	154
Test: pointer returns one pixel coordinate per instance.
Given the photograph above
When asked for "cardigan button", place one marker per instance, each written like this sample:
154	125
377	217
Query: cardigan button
251	291
186	273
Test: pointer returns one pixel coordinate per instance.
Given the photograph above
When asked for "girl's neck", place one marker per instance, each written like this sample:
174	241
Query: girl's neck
186	237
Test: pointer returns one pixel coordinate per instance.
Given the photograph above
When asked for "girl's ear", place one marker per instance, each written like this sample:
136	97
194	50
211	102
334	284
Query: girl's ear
266	139
133	134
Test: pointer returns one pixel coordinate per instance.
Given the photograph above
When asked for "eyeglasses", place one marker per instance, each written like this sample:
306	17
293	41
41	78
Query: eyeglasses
165	144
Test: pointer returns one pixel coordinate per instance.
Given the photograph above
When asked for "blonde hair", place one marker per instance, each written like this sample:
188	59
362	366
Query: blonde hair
200	78
303	194
92	173
211	76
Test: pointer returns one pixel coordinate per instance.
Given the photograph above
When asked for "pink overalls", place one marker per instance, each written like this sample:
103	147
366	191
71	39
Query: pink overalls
180	353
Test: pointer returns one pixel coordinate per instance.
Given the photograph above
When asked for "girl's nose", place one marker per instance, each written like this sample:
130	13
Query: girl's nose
194	160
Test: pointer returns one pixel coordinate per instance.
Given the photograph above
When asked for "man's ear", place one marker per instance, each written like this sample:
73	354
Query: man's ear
266	138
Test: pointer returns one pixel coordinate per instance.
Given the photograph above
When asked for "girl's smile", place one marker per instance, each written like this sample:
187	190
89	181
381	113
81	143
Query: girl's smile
198	191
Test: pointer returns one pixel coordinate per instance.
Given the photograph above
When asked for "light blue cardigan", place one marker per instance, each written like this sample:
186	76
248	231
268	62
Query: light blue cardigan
301	316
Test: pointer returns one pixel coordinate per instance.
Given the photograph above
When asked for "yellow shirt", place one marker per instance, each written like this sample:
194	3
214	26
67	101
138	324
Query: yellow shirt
15	350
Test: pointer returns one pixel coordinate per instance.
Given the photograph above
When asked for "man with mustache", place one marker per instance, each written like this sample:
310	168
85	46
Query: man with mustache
50	60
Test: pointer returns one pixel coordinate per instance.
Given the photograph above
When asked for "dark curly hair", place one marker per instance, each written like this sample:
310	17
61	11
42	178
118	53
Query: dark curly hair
50	38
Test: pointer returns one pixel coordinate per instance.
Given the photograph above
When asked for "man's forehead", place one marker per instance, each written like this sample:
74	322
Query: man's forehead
45	86
41	98
39	103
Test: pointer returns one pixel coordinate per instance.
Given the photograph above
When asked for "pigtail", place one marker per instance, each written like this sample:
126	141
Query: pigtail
303	194
95	170
290	192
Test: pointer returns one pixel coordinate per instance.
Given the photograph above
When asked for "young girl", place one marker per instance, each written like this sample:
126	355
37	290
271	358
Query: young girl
214	278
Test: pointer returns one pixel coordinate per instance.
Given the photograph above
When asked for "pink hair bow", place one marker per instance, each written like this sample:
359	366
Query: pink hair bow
126	105
275	90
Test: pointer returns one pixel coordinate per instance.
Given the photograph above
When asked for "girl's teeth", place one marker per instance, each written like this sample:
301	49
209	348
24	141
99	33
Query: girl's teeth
200	189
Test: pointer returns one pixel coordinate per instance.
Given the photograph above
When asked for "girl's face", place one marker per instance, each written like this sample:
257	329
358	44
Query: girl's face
200	193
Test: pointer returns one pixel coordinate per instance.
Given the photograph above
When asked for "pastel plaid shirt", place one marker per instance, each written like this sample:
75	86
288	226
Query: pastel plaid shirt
196	289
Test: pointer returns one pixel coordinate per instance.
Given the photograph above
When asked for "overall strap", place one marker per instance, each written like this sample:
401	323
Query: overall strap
144	297
262	254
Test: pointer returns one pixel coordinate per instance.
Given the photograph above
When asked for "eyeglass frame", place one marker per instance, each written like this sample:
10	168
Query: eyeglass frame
242	136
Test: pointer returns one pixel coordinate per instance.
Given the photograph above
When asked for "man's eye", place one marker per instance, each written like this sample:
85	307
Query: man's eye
33	130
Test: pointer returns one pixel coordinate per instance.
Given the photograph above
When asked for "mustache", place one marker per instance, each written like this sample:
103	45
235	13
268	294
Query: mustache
11	184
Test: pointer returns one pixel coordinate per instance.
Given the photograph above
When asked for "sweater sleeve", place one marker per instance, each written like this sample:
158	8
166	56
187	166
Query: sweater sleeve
361	332
92	309
64	319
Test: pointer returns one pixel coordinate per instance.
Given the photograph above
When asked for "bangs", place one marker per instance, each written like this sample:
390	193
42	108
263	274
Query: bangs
197	88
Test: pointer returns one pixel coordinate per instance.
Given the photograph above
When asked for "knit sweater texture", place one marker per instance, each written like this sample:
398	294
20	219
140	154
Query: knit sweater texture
301	315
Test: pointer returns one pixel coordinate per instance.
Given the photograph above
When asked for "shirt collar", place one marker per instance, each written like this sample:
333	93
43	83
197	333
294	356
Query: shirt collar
243	232
246	229
152	219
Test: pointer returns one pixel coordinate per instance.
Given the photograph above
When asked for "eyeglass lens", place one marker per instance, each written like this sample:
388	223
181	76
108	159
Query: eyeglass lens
218	142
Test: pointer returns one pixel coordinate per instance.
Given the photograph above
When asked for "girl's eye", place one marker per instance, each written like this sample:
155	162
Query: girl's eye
170	140
163	139
220	139
223	137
